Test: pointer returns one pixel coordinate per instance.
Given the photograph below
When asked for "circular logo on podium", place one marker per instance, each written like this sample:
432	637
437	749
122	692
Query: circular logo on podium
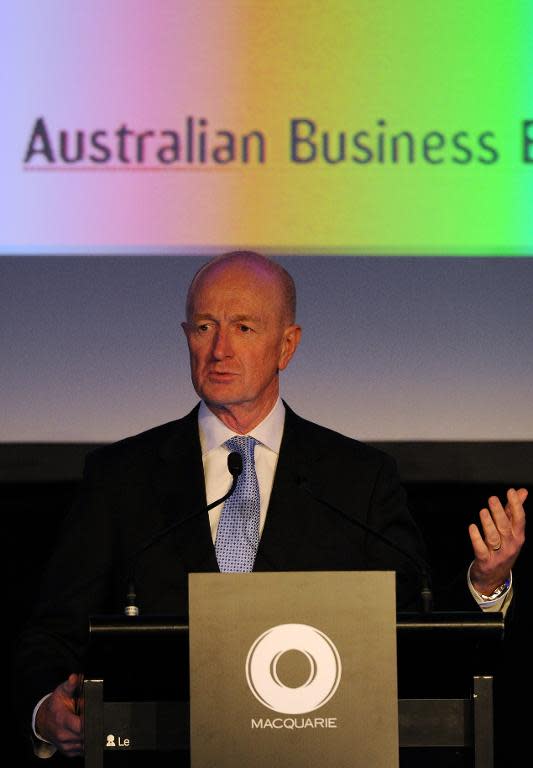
324	668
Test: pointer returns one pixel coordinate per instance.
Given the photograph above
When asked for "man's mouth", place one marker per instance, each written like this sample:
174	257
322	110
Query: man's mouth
221	375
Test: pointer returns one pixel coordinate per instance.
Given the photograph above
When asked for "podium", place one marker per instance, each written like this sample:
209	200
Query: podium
136	687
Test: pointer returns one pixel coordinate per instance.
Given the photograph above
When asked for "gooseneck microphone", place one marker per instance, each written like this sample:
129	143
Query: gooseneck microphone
235	469
426	594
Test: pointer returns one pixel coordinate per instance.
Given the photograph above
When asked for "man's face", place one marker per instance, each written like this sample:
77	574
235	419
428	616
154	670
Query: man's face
238	338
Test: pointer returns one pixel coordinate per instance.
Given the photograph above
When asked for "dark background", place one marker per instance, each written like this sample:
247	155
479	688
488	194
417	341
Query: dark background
442	506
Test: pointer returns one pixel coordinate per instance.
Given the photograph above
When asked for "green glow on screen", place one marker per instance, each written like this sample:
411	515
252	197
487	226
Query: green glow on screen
386	128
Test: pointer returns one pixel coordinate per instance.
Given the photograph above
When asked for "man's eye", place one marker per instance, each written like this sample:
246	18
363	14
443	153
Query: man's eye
202	328
245	328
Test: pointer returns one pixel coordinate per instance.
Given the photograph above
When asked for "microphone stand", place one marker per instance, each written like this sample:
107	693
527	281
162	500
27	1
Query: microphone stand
426	593
235	469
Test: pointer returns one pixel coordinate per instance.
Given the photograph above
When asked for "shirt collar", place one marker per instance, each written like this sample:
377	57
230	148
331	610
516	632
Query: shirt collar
214	433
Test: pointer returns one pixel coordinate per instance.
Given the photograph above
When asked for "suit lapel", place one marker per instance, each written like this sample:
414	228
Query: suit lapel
288	520
180	487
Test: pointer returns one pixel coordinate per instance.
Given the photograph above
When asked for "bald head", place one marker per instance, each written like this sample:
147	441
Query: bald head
256	265
241	333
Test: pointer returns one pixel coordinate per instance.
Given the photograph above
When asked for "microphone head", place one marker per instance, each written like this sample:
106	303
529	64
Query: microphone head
235	463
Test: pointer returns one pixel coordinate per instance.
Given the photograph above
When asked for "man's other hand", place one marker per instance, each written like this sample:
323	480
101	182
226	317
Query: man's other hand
497	547
57	720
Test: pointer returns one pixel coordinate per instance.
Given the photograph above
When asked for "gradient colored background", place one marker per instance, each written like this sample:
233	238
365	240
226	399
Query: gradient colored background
393	348
453	66
417	327
396	347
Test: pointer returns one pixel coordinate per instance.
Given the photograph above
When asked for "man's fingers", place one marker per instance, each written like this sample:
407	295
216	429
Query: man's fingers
478	543
70	686
522	493
56	720
504	523
70	744
500	518
515	508
71	722
491	532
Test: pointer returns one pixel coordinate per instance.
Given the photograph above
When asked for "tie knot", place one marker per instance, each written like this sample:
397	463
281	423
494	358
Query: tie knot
244	445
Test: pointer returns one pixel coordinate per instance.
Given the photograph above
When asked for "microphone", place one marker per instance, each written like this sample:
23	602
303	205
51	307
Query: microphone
422	567
235	469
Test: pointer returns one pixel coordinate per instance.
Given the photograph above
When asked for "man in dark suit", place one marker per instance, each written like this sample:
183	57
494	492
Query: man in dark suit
317	494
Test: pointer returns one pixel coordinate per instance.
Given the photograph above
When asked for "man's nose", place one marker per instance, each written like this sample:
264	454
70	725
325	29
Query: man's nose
222	344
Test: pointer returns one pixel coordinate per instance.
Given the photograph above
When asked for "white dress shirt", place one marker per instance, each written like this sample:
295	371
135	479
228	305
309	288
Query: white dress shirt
213	435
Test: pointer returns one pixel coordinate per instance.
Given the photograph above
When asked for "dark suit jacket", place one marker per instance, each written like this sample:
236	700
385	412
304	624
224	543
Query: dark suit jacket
140	485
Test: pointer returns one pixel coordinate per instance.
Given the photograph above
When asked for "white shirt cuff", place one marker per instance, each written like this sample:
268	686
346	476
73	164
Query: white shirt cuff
41	747
491	605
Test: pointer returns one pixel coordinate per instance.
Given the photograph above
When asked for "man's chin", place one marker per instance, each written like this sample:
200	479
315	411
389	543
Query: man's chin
220	396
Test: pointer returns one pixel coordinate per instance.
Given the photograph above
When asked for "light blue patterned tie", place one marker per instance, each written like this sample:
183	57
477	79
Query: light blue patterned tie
238	530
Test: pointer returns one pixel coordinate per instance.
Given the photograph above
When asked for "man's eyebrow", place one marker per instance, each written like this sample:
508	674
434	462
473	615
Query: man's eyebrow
243	318
233	318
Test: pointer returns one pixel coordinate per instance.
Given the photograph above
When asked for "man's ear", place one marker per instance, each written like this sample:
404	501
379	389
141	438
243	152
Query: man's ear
289	343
